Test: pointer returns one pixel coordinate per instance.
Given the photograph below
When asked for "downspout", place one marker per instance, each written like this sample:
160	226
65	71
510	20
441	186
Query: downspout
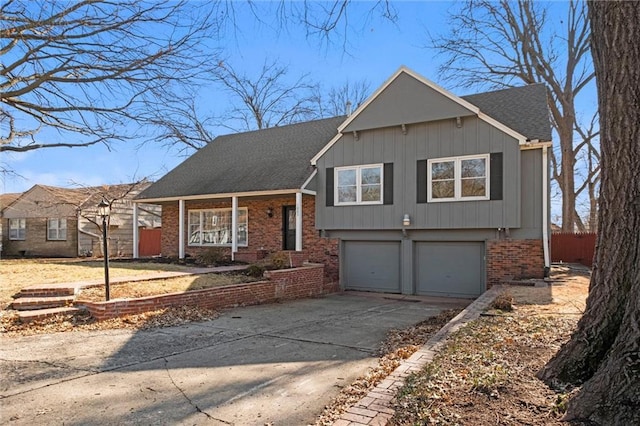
545	213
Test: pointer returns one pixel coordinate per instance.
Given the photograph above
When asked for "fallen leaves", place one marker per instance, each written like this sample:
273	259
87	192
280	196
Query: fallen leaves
399	345
11	326
135	289
485	373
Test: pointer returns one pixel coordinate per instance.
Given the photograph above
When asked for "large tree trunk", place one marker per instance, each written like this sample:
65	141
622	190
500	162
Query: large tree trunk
567	177
604	353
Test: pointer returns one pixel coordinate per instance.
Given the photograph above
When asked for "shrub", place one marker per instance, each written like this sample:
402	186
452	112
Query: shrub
503	302
255	270
213	256
280	260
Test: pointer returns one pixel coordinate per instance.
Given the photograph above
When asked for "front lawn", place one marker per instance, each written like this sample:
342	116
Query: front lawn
135	289
19	273
485	374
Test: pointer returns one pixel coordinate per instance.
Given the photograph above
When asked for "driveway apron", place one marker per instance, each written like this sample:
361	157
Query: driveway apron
278	364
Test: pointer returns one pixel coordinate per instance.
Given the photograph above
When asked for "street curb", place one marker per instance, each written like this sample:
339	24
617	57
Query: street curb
376	408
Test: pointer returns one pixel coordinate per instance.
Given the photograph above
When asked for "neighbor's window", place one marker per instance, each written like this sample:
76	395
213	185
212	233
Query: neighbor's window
17	229
458	178
359	185
213	227
57	229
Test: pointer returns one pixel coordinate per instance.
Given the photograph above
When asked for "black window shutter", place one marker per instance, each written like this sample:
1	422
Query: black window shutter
495	178
421	183
388	183
329	193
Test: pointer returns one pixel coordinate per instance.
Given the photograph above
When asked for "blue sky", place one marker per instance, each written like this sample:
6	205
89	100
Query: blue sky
373	54
375	50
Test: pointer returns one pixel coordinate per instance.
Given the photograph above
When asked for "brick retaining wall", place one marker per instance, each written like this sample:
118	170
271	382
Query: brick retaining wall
283	284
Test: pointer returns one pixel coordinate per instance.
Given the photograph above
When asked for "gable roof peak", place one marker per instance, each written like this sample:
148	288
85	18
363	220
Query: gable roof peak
403	69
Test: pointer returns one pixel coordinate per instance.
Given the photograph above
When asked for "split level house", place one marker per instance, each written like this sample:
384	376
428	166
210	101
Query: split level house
419	191
49	221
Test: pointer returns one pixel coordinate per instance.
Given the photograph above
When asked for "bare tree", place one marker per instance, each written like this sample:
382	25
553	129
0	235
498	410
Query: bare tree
180	124
499	44
266	100
603	354
338	100
83	68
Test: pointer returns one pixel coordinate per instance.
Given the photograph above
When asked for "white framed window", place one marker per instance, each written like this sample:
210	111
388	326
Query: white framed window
213	227
458	178
359	184
56	229
17	229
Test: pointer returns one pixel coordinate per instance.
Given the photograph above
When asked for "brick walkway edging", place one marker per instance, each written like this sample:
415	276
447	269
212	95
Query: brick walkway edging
375	408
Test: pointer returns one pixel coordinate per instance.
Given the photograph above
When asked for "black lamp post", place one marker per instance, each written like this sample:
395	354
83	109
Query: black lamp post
103	211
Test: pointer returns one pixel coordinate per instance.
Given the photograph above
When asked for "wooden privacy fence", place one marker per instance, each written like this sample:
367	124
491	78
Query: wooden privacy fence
573	247
149	244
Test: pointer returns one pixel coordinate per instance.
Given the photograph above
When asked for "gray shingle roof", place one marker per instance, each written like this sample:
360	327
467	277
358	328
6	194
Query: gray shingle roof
262	160
279	157
524	109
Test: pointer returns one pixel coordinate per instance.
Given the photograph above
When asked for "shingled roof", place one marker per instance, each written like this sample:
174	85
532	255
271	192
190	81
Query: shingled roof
278	158
84	197
270	159
524	109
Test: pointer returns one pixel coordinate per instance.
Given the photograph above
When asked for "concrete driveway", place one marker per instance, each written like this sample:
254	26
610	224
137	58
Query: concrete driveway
275	364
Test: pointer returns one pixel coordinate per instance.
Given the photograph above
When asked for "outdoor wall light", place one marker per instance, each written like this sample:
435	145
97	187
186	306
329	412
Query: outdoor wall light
103	211
406	220
270	211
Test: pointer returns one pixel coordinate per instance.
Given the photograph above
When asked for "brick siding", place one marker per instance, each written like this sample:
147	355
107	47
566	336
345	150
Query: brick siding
514	260
264	232
284	284
36	242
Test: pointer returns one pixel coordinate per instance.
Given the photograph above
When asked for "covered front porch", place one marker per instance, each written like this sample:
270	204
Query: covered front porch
246	225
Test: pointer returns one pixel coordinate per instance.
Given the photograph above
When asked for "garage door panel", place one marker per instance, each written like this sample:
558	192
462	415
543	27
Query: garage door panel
372	266
449	268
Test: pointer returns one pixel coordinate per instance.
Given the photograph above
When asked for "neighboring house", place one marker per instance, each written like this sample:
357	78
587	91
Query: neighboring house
60	222
5	200
418	191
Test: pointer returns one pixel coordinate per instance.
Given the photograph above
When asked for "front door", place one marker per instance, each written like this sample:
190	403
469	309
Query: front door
289	228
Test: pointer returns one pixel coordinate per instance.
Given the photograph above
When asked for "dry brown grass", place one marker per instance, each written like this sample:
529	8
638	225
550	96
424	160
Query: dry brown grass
19	273
485	374
164	286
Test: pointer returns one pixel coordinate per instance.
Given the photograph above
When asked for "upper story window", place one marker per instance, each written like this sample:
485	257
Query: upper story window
359	184
17	229
213	227
57	229
458	178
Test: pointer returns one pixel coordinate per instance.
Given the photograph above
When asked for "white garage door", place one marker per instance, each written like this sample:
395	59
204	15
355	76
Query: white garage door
372	266
454	269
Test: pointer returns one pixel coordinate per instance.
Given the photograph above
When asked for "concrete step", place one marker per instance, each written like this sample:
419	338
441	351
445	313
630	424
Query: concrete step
34	303
46	291
39	314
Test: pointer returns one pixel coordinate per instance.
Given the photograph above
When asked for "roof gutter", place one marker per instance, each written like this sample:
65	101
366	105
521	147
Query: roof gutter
212	196
536	144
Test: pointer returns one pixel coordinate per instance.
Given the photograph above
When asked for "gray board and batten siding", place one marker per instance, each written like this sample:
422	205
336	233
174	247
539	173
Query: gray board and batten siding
405	101
423	141
443	251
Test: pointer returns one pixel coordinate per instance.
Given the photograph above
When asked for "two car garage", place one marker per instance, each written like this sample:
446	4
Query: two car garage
442	268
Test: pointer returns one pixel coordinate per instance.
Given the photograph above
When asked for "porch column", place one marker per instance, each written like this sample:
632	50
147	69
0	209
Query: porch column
234	226
298	221
136	253
181	229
